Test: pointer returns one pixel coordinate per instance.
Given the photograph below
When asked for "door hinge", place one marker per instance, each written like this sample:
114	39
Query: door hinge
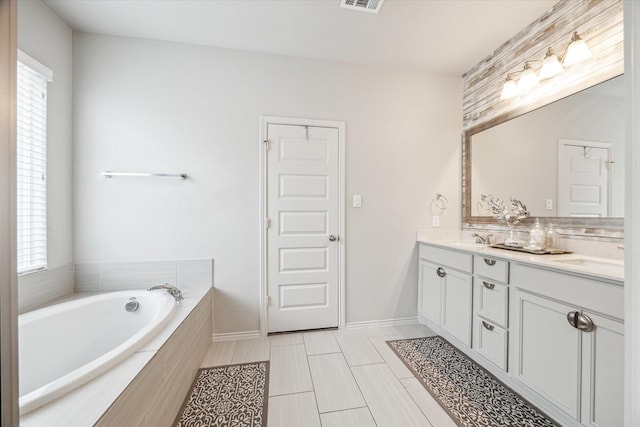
267	144
268	301
267	223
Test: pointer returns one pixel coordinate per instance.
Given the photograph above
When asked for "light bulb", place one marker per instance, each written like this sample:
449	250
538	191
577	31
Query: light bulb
550	66
509	90
577	51
528	80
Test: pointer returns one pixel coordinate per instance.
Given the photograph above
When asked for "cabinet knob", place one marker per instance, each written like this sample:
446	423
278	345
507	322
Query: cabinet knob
440	272
488	285
489	261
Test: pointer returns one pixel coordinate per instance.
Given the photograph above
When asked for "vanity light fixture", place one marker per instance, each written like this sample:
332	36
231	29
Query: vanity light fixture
577	51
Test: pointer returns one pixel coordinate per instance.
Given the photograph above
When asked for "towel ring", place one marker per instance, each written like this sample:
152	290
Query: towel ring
483	203
439	204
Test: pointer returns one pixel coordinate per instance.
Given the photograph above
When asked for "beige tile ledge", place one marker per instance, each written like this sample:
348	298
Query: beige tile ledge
603	260
85	405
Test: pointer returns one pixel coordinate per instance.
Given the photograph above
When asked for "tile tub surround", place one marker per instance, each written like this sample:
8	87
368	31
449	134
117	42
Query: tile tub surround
42	287
144	387
118	276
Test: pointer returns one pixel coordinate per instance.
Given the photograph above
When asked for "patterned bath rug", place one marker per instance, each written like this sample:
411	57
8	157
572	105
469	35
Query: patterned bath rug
466	391
231	395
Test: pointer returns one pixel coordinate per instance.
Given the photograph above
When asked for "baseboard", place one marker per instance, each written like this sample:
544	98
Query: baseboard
351	325
382	323
236	335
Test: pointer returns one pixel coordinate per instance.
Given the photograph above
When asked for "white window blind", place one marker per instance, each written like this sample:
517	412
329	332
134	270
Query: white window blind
32	164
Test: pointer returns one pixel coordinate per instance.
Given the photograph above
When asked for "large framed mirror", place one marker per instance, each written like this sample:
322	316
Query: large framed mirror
564	160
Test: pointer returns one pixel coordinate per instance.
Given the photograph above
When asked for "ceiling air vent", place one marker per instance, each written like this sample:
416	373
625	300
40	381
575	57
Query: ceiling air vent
372	6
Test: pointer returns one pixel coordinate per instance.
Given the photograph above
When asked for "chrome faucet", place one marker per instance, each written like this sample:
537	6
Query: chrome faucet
175	292
485	240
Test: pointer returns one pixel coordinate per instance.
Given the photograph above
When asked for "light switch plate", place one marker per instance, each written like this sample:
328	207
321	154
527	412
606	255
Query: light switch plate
435	220
549	204
357	201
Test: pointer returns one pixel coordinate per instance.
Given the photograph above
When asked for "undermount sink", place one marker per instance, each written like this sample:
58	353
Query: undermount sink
616	267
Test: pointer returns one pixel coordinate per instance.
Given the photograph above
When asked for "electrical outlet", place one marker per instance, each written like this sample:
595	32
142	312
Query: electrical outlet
435	220
549	204
357	201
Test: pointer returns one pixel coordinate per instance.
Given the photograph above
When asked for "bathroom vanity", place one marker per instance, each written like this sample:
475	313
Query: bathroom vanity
549	326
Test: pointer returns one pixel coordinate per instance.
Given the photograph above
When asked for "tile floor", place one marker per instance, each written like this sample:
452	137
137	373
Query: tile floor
337	378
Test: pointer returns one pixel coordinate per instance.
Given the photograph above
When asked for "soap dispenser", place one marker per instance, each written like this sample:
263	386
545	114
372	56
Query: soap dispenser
536	236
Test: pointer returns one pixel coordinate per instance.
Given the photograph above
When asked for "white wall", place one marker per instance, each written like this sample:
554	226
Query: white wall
45	37
147	106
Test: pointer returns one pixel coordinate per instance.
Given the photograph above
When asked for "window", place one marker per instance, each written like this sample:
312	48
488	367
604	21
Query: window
32	164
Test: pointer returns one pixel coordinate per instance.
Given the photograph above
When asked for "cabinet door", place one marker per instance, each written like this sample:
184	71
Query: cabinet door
547	350
457	290
603	373
429	291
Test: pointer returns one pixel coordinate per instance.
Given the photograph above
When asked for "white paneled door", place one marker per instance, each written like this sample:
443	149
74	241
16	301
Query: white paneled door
302	235
583	178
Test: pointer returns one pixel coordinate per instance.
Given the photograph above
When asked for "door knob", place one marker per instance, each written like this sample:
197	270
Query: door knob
333	238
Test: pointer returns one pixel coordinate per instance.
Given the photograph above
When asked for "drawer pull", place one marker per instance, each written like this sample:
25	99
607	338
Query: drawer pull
488	285
585	323
489	261
580	321
487	326
572	318
440	272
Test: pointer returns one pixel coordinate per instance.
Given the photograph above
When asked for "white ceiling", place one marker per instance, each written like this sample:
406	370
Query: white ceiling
444	36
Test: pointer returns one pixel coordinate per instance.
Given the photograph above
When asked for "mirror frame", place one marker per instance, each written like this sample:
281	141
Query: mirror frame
601	228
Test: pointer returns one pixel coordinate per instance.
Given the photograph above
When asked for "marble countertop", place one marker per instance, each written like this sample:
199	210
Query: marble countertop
587	262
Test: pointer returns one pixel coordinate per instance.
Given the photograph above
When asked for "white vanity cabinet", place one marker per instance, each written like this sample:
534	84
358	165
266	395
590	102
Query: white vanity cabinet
445	290
553	334
568	342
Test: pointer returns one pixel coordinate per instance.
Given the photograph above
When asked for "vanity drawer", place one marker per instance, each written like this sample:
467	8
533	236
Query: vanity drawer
581	292
490	341
491	268
492	301
458	260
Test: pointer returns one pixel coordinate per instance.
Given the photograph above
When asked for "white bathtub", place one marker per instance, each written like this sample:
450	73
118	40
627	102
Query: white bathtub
68	344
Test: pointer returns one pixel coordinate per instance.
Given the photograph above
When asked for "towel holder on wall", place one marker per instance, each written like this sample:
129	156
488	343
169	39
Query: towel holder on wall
109	174
438	205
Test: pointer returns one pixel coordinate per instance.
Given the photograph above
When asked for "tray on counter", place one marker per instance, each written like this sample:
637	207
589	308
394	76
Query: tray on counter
530	251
